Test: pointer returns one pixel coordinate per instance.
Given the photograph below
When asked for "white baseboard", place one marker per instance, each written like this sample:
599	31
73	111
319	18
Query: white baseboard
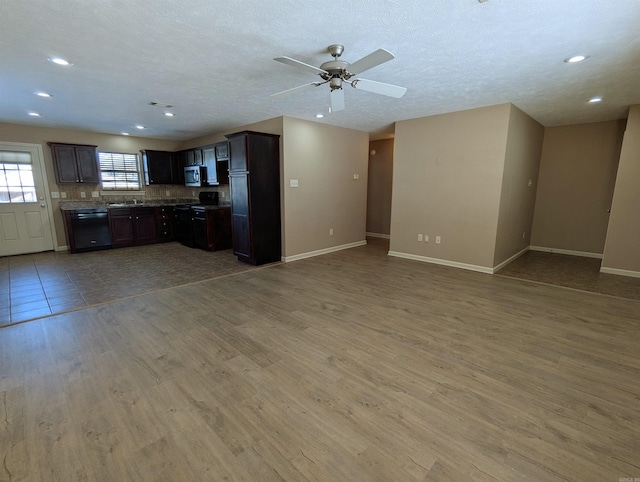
378	235
444	262
621	272
569	252
512	258
319	252
62	248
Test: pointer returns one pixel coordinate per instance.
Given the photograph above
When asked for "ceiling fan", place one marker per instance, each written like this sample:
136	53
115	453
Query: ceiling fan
338	72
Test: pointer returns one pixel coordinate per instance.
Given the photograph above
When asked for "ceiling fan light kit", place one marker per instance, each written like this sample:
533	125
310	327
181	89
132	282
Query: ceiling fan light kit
338	72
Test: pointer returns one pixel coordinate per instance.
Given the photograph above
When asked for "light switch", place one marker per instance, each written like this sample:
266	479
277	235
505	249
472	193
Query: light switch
356	176
55	194
293	183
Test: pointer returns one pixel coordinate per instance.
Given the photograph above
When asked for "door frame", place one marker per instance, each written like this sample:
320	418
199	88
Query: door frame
37	155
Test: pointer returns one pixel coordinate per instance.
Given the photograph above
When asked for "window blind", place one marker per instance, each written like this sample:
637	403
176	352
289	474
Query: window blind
119	171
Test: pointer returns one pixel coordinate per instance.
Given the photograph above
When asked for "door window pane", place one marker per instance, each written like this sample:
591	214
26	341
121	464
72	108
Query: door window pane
16	183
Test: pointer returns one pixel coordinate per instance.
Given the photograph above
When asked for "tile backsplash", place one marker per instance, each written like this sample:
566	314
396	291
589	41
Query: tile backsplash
147	193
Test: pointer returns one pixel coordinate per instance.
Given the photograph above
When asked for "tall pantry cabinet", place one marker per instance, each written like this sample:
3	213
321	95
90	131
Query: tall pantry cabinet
254	182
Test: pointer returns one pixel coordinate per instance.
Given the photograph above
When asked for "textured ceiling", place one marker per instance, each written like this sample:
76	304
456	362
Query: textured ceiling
213	60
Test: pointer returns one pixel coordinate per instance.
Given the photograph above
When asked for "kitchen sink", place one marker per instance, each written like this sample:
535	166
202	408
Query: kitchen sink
124	205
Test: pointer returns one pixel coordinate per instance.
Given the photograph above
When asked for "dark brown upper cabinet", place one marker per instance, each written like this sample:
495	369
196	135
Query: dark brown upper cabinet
75	163
193	157
209	160
162	167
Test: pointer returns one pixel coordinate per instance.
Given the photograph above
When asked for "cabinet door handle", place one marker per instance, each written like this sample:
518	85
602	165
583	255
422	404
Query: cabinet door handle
129	217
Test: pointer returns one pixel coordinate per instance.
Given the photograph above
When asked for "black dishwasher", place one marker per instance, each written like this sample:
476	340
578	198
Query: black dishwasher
91	229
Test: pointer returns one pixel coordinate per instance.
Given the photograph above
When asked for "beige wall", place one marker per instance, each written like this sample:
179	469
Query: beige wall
323	159
622	248
105	142
379	187
447	181
577	176
517	198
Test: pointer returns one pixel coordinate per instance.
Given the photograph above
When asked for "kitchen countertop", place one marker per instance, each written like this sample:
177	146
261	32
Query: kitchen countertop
208	207
72	205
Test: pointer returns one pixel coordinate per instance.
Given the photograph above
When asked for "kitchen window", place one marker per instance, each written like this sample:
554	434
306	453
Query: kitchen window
119	171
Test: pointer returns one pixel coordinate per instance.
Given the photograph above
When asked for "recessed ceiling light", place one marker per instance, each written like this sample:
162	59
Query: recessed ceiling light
575	59
59	61
138	126
43	94
594	100
319	116
34	114
169	114
124	133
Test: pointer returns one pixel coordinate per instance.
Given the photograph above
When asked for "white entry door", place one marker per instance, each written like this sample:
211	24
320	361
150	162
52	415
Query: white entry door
25	217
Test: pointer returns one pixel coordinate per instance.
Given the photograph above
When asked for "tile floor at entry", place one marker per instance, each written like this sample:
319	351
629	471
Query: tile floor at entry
36	285
575	272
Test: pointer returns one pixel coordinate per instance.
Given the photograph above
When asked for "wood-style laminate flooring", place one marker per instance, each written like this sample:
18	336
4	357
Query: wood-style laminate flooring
349	366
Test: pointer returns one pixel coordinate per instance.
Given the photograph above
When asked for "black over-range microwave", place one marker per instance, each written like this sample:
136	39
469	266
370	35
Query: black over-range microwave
195	176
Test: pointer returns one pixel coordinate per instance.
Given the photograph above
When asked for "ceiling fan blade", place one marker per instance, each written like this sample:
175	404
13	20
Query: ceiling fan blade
337	100
293	89
379	88
297	63
370	61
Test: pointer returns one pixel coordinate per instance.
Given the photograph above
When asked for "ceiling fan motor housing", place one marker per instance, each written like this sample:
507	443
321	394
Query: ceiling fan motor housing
337	72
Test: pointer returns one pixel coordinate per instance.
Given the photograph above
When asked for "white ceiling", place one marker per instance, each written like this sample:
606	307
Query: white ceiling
213	60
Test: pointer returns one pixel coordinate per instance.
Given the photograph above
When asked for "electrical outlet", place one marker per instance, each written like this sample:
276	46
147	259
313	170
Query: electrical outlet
95	194
426	238
420	237
356	176
167	193
83	194
438	239
524	235
293	183
330	231
63	195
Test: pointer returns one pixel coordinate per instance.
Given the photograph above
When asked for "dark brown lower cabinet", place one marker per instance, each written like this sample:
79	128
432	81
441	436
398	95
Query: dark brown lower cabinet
132	226
212	227
165	224
121	224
